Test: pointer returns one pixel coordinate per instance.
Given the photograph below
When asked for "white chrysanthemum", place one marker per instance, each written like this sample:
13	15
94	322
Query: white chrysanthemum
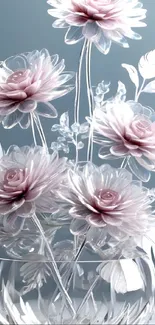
107	197
99	21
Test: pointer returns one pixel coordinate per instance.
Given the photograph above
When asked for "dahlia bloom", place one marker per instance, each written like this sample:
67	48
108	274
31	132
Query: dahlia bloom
127	129
29	179
99	21
107	197
27	79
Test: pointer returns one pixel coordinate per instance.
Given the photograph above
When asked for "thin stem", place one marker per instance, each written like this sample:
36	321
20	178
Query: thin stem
56	274
124	162
140	90
90	100
88	78
78	84
40	130
77	95
87	296
33	130
68	277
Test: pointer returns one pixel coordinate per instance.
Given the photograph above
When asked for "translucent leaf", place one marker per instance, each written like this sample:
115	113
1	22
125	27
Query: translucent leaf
124	274
132	73
102	88
61	139
121	92
150	87
66	132
76	128
84	128
147	65
80	145
55	127
34	274
64	119
66	149
55	146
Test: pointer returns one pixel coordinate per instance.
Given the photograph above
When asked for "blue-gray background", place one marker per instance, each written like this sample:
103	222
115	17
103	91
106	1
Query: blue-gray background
25	26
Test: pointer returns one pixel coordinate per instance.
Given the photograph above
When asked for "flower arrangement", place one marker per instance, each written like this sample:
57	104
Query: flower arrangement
104	215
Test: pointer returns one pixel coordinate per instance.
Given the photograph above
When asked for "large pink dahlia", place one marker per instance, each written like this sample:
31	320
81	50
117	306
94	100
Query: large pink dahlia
28	79
107	197
100	21
127	129
29	179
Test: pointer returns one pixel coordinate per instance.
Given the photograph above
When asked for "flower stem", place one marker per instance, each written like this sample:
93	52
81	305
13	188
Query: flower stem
78	93
56	274
140	90
90	100
33	130
40	130
68	277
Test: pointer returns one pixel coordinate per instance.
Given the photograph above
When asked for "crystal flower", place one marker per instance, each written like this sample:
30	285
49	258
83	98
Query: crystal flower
29	179
107	197
127	129
26	80
99	21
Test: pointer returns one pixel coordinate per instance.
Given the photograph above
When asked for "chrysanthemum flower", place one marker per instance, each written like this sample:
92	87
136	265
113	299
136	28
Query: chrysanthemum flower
127	129
99	21
26	80
29	179
107	197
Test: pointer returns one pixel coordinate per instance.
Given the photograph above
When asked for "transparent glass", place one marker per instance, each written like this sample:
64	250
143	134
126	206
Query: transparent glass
88	281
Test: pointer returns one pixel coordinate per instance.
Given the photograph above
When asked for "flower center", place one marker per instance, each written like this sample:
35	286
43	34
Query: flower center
107	196
106	200
18	76
14	179
141	128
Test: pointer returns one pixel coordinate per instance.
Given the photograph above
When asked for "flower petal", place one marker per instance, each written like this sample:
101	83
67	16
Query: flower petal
27	106
73	35
79	227
47	110
138	170
25	121
12	119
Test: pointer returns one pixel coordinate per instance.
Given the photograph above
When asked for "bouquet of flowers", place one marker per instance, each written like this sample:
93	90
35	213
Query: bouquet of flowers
79	238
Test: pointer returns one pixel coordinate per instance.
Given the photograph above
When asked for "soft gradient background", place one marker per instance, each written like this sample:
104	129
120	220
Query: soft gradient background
25	26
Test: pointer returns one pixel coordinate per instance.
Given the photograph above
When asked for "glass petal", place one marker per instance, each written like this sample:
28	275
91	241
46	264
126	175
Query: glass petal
27	106
90	30
79	227
103	44
25	121
11	120
139	171
16	63
74	35
60	23
47	110
104	153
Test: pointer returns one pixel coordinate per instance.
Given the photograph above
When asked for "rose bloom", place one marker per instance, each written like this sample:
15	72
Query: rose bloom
29	179
28	79
127	129
99	21
106	197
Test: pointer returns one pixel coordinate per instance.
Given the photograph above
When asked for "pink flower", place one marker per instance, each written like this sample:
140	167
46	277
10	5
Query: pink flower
26	80
99	21
127	129
29	179
107	197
